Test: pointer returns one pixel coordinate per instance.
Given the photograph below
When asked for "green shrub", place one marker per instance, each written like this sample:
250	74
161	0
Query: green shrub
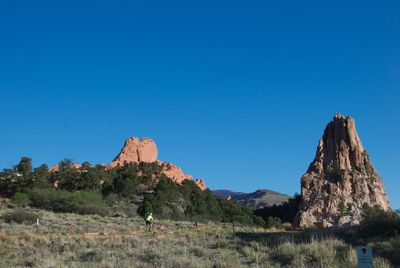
335	173
20	216
284	254
259	221
21	199
111	199
126	182
164	200
273	222
201	205
84	202
286	211
11	182
389	249
91	256
147	206
88	209
378	223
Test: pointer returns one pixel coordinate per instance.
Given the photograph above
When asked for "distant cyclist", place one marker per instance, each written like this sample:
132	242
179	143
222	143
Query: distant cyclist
149	221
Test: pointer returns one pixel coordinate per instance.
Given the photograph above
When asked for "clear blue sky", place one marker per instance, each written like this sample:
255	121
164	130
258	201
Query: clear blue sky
235	92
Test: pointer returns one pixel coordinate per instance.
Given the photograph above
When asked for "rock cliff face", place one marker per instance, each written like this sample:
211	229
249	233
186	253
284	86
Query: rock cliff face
145	150
135	151
174	172
340	180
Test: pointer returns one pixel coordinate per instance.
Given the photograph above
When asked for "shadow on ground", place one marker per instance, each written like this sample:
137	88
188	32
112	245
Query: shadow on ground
276	238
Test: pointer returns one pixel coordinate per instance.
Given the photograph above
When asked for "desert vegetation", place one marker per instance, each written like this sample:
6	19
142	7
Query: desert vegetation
73	240
140	188
93	216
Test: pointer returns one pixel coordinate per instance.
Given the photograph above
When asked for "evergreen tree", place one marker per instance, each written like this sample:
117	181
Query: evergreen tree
24	166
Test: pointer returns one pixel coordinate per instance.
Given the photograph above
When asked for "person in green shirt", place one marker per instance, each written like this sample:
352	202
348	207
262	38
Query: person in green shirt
149	221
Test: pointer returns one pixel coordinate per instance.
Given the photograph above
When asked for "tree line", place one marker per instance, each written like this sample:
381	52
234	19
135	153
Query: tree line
95	189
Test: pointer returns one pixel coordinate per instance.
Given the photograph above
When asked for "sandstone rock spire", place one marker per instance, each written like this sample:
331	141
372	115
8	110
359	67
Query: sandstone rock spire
340	180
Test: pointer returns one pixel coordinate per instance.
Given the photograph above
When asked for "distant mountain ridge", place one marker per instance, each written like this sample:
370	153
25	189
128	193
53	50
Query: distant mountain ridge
255	200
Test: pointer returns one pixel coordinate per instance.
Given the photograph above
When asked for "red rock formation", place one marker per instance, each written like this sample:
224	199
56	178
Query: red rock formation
200	183
135	151
56	168
145	150
174	172
340	180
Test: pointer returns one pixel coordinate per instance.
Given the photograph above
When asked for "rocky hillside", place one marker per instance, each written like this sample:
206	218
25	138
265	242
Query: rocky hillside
341	179
145	150
256	200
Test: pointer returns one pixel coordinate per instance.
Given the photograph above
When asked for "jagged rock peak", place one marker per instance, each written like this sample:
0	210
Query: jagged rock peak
135	151
340	179
340	147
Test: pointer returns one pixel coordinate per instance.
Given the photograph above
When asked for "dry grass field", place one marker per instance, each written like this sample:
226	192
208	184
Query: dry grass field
70	240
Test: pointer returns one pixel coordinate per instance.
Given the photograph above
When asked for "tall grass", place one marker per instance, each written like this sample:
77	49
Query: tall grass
71	240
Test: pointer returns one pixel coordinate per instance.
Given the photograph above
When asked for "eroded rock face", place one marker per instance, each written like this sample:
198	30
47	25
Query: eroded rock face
174	172
177	175
340	180
145	150
200	183
135	151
